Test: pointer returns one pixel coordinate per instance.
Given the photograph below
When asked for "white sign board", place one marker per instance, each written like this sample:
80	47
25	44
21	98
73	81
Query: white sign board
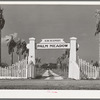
53	44
58	40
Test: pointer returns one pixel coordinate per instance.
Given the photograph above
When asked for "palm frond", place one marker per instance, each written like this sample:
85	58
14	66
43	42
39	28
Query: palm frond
97	28
23	46
11	46
18	46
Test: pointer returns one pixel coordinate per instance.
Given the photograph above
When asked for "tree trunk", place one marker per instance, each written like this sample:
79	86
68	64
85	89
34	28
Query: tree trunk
99	56
99	50
19	57
0	46
24	56
11	58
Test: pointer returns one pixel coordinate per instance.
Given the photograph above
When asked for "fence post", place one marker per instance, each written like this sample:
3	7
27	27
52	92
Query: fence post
26	68
95	72
89	70
81	64
84	68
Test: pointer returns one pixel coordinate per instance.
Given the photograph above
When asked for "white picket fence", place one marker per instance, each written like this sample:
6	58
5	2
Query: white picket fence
16	71
88	71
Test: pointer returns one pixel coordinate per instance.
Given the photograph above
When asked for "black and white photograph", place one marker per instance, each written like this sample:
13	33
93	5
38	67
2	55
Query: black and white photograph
49	47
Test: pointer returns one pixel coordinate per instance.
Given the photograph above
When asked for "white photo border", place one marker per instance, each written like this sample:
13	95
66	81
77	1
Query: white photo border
41	94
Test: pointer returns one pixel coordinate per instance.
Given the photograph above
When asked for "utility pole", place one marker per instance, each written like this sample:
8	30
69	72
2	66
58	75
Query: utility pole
2	22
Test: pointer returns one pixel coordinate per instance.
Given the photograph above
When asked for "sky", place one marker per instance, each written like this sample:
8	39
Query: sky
52	21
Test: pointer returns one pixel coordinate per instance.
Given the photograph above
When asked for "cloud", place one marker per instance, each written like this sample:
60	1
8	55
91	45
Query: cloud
14	35
7	38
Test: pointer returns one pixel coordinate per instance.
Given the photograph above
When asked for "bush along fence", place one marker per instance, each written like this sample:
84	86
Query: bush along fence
87	70
16	71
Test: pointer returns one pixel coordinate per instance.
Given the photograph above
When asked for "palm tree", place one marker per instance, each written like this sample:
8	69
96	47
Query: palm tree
24	49
98	29
59	62
38	61
18	47
67	52
11	45
61	59
63	56
37	65
21	48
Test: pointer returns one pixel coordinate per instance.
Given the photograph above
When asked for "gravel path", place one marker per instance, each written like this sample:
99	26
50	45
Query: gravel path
51	75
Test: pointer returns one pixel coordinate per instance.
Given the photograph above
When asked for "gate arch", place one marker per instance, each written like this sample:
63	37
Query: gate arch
74	71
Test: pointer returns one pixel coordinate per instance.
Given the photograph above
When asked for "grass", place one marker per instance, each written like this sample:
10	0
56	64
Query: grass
40	84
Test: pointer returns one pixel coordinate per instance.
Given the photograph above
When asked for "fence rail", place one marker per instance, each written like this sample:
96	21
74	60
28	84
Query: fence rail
87	70
16	71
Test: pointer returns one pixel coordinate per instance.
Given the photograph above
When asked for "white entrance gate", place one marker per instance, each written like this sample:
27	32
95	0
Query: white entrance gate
74	72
